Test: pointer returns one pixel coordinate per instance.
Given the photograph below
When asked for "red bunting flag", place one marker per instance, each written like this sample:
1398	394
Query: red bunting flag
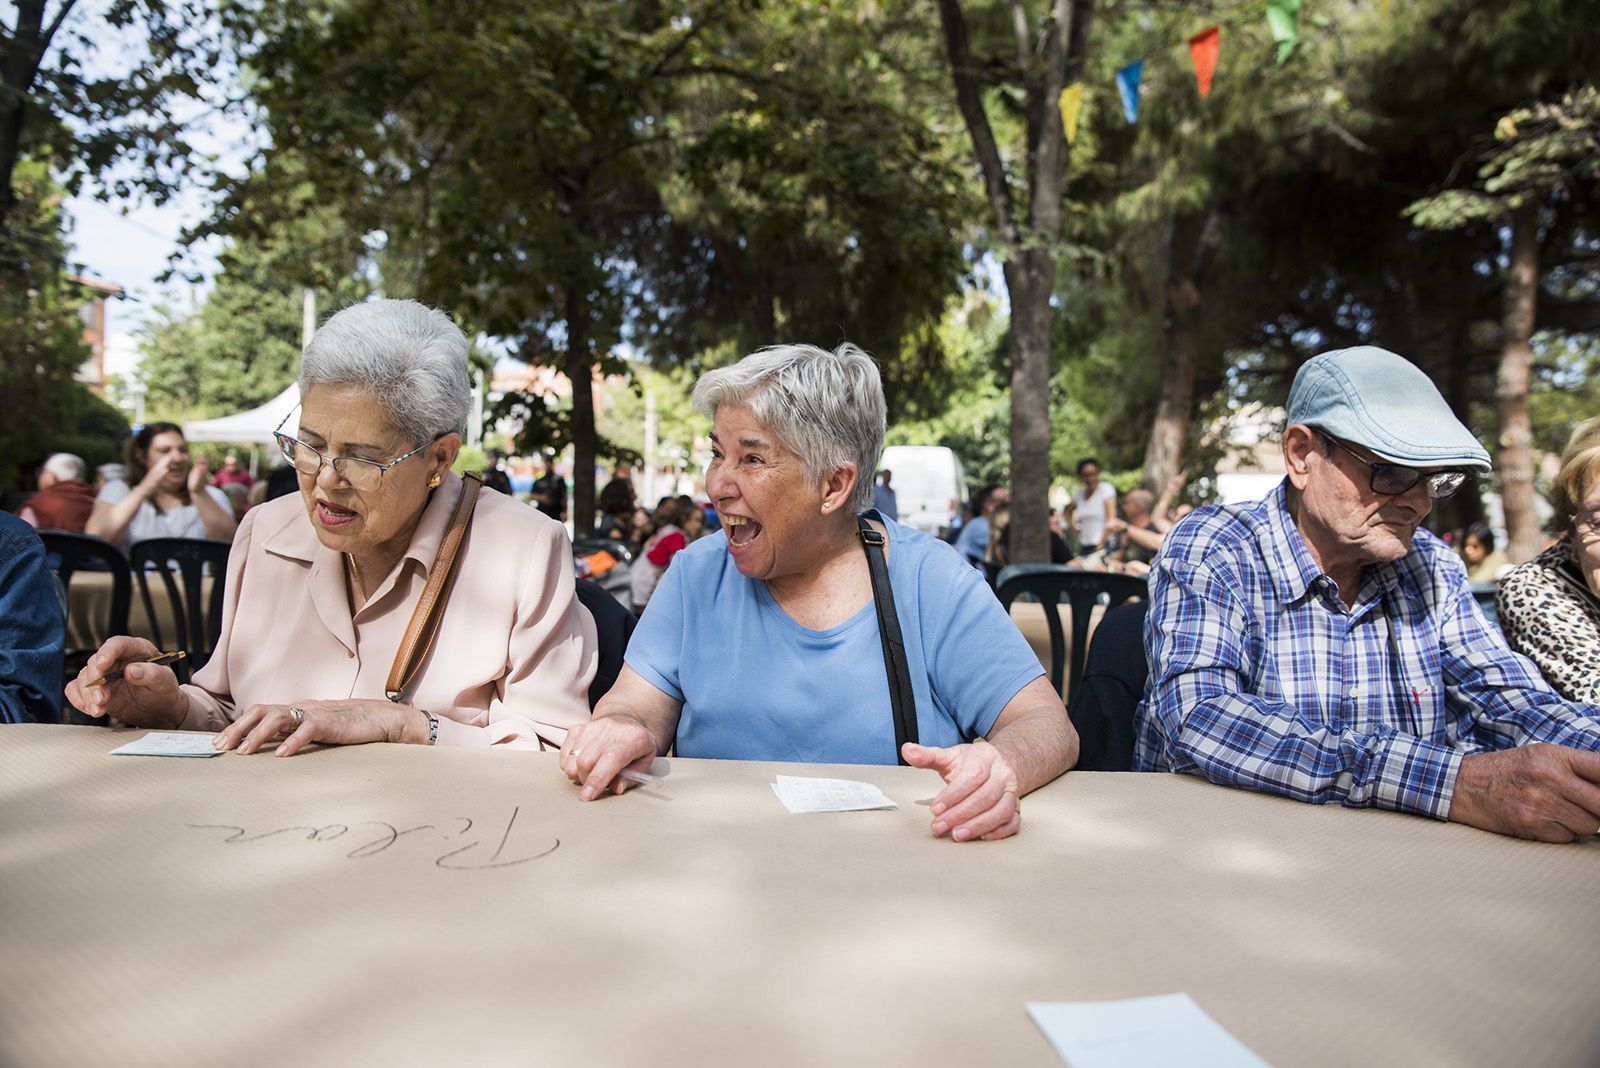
1204	48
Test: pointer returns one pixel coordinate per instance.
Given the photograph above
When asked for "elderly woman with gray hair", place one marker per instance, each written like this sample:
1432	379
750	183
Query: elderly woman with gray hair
321	640
805	632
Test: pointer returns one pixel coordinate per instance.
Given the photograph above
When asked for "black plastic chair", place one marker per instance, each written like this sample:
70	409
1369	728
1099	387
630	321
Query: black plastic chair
199	624
1114	674
614	625
1050	584
70	553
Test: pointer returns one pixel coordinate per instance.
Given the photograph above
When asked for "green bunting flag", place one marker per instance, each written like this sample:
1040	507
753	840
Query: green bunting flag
1283	16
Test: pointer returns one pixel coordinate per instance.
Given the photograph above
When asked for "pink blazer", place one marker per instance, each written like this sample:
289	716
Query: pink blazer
515	653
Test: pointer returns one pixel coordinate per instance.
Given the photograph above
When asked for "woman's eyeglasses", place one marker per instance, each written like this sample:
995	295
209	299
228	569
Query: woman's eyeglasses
1391	480
364	476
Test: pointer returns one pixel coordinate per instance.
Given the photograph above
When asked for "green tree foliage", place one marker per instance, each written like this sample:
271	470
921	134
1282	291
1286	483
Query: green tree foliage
975	424
811	200
241	347
564	176
43	408
58	100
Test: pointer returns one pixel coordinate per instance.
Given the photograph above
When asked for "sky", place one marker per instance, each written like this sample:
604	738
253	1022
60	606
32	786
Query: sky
129	241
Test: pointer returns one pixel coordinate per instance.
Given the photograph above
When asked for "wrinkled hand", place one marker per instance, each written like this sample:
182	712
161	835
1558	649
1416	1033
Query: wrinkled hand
595	752
147	695
199	475
1540	791
329	722
980	799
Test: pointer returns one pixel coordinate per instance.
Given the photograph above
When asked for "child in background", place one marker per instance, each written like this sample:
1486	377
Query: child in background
670	519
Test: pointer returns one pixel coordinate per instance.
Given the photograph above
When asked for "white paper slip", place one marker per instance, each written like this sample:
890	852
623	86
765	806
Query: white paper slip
170	743
1139	1033
828	795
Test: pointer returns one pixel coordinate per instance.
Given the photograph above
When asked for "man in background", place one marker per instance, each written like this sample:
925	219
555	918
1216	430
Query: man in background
883	498
974	540
64	500
233	473
550	492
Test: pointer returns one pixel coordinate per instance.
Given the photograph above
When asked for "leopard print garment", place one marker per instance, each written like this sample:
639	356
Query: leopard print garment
1550	616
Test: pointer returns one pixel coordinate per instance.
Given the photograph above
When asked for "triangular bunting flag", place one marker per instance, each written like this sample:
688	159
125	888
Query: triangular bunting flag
1204	47
1283	16
1128	86
1071	103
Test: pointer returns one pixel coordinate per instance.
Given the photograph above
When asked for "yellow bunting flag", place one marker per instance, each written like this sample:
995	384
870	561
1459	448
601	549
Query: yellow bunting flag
1071	103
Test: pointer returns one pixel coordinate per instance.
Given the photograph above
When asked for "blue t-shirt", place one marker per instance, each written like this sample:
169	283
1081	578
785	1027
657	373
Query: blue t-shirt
973	541
756	685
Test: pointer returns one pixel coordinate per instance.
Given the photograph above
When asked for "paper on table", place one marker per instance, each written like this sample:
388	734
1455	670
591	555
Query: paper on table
170	743
1139	1033
828	795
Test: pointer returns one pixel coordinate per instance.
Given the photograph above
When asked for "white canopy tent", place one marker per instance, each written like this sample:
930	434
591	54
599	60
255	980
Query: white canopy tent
253	427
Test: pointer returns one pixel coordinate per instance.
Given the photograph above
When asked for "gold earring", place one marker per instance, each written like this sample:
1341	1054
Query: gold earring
433	483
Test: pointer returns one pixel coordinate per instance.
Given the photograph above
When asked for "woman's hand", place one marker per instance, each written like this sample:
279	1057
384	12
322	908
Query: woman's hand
981	798
596	752
199	475
329	722
153	477
147	695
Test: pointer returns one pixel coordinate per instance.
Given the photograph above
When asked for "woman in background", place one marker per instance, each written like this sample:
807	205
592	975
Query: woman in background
1550	606
166	495
670	519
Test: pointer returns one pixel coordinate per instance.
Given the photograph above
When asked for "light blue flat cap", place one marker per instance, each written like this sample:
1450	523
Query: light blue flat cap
1373	397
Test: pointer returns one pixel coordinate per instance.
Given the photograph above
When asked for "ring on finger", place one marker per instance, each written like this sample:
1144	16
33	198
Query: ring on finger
297	716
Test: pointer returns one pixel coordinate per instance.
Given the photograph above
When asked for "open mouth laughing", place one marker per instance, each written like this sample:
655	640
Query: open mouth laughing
742	531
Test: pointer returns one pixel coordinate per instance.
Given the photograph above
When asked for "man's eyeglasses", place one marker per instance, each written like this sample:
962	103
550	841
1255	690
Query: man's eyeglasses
1394	479
364	476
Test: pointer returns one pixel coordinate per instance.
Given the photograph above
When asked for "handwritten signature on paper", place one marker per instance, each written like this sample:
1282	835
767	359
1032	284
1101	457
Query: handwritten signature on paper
468	857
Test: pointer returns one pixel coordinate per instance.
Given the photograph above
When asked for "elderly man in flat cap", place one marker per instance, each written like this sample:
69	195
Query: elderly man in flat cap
1319	644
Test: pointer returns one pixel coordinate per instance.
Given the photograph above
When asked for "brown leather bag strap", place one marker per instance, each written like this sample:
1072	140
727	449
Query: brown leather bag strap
430	609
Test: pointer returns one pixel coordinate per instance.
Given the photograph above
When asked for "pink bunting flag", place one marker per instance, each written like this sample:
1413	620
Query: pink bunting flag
1204	47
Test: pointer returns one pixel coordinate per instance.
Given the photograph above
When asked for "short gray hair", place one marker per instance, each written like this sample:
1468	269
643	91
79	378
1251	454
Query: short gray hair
67	467
825	407
412	358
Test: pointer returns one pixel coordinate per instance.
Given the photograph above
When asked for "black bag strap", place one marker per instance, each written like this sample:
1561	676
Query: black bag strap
901	697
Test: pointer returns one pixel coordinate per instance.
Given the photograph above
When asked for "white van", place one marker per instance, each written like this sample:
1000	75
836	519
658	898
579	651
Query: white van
928	484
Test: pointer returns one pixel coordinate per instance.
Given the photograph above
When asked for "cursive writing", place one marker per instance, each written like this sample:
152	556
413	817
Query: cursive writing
492	847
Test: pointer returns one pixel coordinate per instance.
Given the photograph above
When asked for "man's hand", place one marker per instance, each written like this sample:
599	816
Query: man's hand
981	798
1546	792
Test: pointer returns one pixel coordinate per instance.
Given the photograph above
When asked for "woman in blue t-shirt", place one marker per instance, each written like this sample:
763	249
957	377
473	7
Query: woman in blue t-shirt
763	643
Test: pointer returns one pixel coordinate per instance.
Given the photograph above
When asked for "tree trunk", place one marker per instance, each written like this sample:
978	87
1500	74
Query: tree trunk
1030	270
19	65
1511	386
1180	354
1465	508
1029	283
580	372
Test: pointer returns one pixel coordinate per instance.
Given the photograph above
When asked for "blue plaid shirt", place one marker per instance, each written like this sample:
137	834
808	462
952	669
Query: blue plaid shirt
1262	677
